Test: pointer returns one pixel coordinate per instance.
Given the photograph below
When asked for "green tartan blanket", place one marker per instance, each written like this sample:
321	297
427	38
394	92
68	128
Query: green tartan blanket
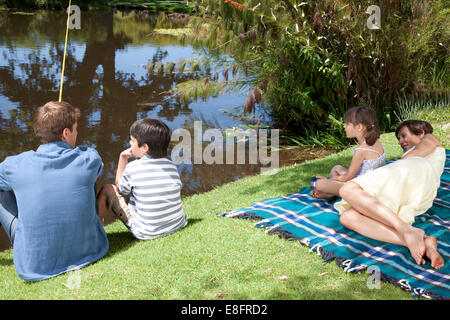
315	222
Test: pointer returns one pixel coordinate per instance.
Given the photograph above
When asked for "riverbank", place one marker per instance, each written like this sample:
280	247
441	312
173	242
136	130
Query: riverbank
168	6
212	258
216	258
288	155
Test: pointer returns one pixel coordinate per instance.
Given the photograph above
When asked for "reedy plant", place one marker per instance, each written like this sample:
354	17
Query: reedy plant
319	57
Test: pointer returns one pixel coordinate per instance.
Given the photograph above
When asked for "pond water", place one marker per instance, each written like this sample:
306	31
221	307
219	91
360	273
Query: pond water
106	77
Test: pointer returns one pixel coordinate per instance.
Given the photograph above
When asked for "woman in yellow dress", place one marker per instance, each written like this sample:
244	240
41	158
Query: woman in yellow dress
382	204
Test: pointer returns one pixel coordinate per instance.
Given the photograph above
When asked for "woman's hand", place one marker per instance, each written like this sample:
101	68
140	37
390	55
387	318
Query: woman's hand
426	146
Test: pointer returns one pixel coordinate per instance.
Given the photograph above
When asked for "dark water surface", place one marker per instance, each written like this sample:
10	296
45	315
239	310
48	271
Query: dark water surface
105	76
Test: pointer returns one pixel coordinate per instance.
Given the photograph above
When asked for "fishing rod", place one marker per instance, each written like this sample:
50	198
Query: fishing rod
65	48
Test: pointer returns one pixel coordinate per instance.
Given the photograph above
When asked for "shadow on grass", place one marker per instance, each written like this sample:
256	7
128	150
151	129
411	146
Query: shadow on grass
293	179
192	221
123	239
6	262
120	241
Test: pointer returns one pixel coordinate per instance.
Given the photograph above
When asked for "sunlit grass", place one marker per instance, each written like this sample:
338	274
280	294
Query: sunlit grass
215	257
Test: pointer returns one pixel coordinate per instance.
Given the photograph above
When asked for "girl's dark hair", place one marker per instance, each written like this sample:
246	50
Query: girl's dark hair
154	133
415	126
367	117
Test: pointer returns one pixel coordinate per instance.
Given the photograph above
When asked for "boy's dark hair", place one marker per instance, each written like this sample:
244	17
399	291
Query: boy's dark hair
154	133
367	117
415	126
52	118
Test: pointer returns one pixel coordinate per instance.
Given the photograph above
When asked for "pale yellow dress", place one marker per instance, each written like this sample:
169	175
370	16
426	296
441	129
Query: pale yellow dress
407	186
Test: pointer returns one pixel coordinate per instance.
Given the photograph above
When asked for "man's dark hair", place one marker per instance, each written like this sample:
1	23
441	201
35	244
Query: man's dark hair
154	133
415	126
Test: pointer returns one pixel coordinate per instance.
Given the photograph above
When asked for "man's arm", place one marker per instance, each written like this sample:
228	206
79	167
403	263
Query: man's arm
4	185
426	146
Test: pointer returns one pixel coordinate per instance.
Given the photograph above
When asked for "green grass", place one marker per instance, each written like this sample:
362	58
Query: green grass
214	257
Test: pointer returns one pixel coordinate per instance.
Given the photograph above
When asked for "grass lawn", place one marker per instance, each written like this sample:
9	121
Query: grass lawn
215	257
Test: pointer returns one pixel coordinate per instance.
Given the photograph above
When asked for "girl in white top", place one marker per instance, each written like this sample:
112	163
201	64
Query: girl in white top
360	123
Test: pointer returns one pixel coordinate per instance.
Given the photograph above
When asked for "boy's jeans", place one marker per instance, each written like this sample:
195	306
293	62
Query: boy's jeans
8	213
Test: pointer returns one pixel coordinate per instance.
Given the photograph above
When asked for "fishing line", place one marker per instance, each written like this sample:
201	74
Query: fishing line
65	47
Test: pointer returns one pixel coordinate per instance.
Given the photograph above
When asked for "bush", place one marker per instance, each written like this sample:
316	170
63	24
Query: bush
304	85
319	57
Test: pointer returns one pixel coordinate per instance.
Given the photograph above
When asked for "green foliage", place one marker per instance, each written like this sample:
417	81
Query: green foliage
192	90
305	85
410	108
151	6
53	4
408	56
428	46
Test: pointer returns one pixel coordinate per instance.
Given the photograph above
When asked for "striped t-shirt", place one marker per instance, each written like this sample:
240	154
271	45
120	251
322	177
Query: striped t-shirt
155	204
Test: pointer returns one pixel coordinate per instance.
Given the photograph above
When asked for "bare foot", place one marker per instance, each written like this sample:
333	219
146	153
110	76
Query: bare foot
319	194
414	239
431	252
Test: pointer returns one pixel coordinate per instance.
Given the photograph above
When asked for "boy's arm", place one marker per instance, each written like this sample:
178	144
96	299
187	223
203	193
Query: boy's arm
123	161
426	146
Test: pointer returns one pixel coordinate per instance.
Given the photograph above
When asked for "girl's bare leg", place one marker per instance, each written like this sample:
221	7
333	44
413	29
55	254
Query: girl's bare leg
369	206
327	188
338	171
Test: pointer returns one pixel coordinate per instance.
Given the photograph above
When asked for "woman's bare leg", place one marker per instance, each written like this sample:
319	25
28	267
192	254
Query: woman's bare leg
369	206
431	252
370	228
373	229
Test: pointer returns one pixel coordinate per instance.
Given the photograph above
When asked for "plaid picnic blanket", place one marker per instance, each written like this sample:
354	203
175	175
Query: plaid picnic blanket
315	223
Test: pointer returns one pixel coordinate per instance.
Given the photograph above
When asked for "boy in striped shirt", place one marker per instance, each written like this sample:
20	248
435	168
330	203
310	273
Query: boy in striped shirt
146	196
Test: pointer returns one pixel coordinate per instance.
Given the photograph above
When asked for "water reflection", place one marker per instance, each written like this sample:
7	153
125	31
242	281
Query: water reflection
105	78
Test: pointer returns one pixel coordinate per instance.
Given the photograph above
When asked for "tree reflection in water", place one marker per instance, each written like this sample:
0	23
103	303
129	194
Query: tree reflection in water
110	99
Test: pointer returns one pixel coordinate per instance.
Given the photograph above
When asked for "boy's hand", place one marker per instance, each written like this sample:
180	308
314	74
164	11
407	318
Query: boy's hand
123	161
126	154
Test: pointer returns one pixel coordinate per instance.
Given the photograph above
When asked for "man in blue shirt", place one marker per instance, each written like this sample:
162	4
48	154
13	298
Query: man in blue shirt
47	199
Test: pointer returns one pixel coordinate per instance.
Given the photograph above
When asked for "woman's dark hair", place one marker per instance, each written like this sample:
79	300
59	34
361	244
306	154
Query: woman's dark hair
415	126
367	117
154	133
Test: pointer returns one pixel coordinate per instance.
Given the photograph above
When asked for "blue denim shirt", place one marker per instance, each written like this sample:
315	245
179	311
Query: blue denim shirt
58	227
